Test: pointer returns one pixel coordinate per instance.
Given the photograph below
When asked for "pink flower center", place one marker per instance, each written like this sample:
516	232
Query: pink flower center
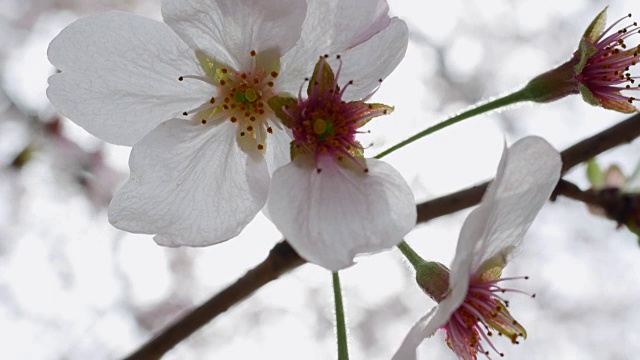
606	72
324	124
482	310
241	99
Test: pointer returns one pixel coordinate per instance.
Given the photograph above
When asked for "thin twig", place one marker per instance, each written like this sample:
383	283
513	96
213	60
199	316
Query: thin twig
341	322
283	258
572	191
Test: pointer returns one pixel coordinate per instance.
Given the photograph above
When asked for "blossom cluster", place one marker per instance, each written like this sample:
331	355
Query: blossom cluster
192	94
212	103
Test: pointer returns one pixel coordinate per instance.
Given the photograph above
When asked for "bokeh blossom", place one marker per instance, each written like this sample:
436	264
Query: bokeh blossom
330	202
618	195
190	95
599	69
471	296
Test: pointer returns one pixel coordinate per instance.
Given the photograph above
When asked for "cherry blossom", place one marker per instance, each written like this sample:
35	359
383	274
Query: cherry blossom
330	202
473	302
190	96
603	63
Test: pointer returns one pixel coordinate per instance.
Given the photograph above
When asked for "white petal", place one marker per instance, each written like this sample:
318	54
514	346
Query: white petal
277	155
191	185
381	54
343	24
229	30
332	27
331	216
119	76
527	174
422	329
278	148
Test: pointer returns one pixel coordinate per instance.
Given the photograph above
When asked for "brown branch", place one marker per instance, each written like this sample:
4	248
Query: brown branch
615	204
572	191
283	258
616	135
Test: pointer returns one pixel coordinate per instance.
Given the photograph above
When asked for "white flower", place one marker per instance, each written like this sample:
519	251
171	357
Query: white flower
330	202
190	96
527	174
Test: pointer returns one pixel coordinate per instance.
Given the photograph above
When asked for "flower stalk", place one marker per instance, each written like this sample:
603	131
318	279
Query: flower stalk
413	257
599	70
513	98
341	327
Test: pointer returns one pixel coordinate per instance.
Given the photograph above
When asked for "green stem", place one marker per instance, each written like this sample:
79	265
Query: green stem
343	351
411	255
518	96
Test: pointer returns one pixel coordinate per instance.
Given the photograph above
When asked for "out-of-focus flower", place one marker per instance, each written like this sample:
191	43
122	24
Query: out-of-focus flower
190	95
88	169
330	202
598	70
470	296
611	178
617	195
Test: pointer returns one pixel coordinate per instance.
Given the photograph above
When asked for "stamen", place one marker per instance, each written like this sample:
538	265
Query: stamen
197	77
205	106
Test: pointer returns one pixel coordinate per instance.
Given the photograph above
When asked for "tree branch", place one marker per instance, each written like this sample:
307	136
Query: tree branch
283	258
616	135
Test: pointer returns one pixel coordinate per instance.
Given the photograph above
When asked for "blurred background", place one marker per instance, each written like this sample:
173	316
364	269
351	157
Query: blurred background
73	287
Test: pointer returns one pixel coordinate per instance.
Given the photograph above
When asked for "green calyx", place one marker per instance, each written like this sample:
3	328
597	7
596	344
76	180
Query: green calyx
322	79
596	27
278	104
586	49
433	278
587	96
554	84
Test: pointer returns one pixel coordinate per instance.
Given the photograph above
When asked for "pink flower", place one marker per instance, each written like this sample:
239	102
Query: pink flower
598	70
330	202
471	296
603	62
